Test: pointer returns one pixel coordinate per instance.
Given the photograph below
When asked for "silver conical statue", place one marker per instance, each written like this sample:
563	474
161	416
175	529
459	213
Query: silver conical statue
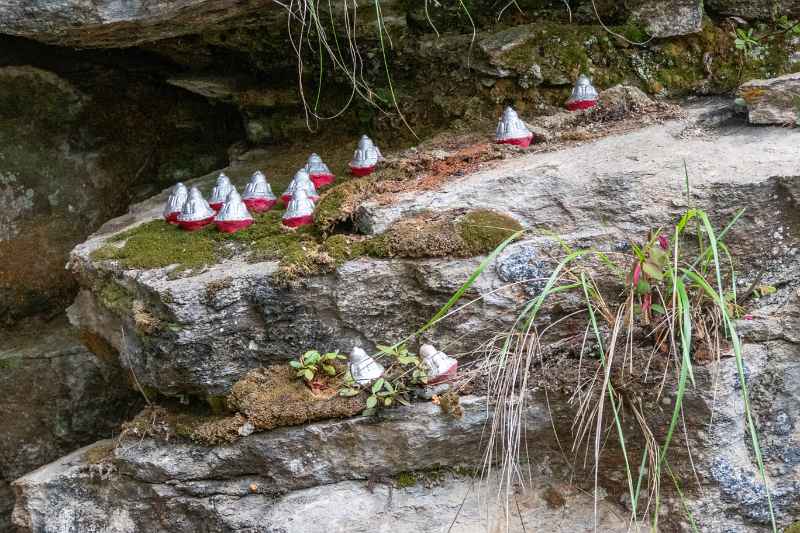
175	203
441	366
365	158
583	96
363	368
234	214
511	130
301	180
319	172
220	192
300	210
258	196
195	212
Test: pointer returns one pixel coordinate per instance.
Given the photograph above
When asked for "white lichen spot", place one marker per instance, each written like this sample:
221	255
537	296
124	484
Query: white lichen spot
121	522
296	466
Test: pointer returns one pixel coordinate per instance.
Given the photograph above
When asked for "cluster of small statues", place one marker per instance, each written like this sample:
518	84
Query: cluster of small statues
441	368
512	130
230	212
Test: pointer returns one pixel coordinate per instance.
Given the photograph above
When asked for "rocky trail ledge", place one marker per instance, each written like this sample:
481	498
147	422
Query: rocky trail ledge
192	330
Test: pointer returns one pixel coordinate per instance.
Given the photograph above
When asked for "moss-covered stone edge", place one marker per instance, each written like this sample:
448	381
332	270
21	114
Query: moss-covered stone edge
302	252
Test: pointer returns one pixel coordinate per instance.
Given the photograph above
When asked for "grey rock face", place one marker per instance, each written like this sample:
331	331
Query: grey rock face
353	506
773	101
118	24
669	18
244	487
753	9
55	396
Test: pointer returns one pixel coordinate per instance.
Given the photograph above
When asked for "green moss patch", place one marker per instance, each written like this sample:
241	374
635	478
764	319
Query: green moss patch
114	297
483	230
444	234
157	244
273	397
793	528
302	252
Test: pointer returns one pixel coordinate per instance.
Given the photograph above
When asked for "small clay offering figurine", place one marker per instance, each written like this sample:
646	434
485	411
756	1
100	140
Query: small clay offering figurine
258	196
319	172
366	157
441	367
300	210
175	203
300	181
234	215
196	212
363	368
511	130
583	96
220	192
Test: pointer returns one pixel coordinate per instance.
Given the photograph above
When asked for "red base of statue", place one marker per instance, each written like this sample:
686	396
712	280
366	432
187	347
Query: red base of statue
523	142
581	104
321	180
259	205
295	222
232	226
172	218
361	171
445	376
194	225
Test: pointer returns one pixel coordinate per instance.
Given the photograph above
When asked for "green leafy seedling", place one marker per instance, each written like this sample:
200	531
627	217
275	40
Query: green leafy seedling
311	362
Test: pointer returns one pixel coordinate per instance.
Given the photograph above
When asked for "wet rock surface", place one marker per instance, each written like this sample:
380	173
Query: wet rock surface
55	396
755	10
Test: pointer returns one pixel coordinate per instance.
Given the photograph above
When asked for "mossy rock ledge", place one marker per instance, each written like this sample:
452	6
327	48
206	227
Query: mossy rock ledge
199	330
